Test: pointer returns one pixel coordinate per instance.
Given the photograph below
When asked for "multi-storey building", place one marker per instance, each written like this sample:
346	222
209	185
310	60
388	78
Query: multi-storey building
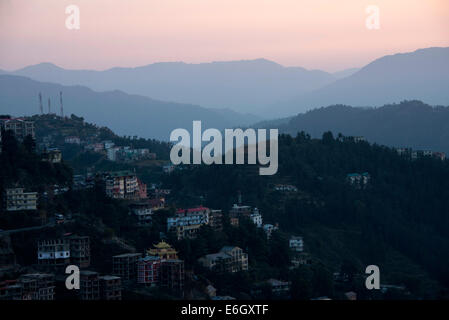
296	244
216	220
79	250
238	211
17	199
256	218
186	223
121	185
19	126
269	229
143	211
54	252
230	259
52	155
358	180
163	250
110	288
37	286
125	265
172	274
10	290
89	285
148	270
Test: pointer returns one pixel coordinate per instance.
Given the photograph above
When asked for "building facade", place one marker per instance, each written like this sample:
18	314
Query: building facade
17	199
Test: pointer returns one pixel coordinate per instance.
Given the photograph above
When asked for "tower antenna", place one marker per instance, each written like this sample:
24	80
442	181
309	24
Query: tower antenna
60	100
49	107
41	108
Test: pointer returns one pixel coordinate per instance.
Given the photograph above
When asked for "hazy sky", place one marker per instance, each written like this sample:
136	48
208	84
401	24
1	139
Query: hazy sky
315	34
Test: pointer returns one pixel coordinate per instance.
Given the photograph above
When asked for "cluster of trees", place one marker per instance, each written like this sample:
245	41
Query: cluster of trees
399	221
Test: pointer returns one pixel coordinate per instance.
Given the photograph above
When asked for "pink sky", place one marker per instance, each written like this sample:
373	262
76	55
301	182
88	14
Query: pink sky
315	34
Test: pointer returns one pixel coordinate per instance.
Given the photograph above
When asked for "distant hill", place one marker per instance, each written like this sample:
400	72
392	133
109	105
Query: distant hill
243	86
422	75
407	124
125	114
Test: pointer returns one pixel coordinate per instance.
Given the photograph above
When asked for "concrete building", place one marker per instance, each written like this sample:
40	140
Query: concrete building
256	218
52	155
216	220
89	285
296	244
186	223
110	288
285	188
72	140
37	286
230	259
79	250
172	275
269	228
125	265
148	269
358	180
17	199
143	211
121	185
19	126
53	252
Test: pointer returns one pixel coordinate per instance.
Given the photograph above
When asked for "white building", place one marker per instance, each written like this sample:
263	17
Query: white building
256	218
17	199
269	228
296	244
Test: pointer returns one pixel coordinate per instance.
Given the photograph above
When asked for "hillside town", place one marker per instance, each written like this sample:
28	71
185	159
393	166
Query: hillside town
159	268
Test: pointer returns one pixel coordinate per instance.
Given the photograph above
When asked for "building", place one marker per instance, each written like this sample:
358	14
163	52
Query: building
125	265
79	250
148	269
89	285
10	290
143	211
52	155
416	154
7	255
256	218
296	244
19	126
216	220
53	252
72	140
141	189
172	275
238	210
358	180
168	168
285	188
121	185
439	155
269	228
37	286
164	251
186	223
277	287
17	199
230	259
110	288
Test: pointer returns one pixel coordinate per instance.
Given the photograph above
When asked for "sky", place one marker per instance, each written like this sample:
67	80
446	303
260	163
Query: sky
330	35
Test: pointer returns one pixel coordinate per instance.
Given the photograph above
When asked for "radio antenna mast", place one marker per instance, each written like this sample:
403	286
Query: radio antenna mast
60	101
41	109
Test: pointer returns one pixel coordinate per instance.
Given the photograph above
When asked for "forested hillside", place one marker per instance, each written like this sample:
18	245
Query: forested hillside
399	221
